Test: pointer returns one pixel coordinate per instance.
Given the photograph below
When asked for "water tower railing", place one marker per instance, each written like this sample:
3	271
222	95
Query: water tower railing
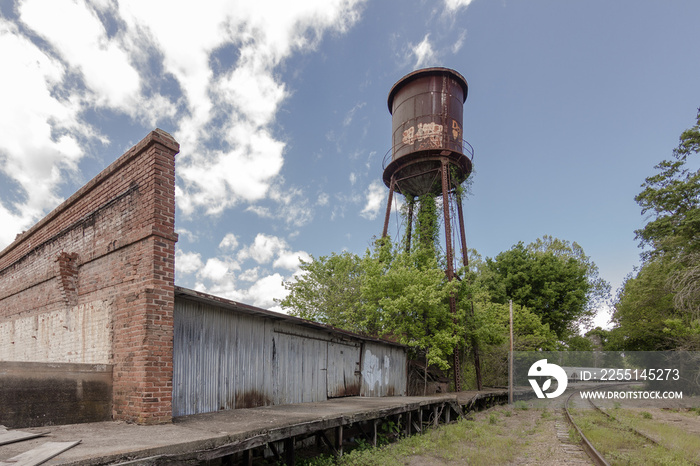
467	150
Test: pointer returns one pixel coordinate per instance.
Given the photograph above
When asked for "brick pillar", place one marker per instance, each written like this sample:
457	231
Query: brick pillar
143	311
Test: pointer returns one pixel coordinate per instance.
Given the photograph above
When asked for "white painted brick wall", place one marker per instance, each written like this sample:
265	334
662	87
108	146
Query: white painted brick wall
81	334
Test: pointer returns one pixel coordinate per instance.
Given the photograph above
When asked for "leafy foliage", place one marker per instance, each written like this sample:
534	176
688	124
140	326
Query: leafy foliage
394	294
552	278
328	290
659	307
672	198
643	305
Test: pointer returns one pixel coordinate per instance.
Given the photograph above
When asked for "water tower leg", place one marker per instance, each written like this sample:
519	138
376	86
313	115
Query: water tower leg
388	208
409	225
465	261
445	169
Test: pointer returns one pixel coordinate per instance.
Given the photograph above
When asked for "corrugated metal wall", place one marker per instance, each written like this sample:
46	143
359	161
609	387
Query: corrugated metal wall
343	369
224	359
383	370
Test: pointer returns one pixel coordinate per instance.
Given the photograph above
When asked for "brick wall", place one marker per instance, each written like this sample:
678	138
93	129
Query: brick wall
93	282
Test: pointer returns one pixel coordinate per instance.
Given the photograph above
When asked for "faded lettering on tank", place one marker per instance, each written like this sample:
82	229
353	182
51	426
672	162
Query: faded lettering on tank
428	134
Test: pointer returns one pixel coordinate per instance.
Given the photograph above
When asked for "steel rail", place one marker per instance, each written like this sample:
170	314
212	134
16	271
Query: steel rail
588	447
635	431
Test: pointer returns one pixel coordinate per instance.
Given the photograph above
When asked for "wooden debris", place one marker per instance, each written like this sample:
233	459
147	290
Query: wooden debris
11	436
40	454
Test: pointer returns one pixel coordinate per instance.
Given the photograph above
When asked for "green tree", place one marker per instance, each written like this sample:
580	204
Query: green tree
552	278
659	306
671	199
644	309
328	290
408	295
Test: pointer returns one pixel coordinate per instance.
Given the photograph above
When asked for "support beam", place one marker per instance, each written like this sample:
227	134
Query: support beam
409	225
374	432
445	171
465	261
248	457
331	445
339	440
388	208
289	451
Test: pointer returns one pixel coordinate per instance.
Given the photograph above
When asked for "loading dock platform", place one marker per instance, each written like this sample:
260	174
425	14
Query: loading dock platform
241	436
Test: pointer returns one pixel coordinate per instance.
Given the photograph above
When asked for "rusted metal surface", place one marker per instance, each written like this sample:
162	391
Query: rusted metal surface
224	359
388	209
426	107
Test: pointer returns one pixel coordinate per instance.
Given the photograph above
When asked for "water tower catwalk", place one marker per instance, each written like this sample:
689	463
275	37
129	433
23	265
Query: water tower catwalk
428	155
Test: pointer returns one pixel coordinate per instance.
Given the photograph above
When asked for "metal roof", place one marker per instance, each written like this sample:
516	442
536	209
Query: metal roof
235	306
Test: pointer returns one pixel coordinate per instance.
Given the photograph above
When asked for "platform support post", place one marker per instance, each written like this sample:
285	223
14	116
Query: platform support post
289	451
339	440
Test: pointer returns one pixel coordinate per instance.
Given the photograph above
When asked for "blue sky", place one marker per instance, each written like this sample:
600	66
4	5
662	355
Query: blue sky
280	110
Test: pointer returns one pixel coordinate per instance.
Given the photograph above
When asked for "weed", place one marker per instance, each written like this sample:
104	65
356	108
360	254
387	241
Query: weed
574	436
520	404
646	415
493	418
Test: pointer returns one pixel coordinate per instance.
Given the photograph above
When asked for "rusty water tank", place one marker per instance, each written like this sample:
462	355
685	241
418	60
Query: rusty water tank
426	107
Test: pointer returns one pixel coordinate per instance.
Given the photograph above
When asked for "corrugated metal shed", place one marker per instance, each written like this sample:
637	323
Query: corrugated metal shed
230	355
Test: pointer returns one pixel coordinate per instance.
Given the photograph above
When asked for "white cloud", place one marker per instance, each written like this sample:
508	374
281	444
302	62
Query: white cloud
71	58
191	237
215	270
424	53
39	130
290	260
459	42
187	262
257	285
292	207
264	291
376	193
263	249
242	100
75	31
229	242
454	5
351	114
250	275
323	199
353	178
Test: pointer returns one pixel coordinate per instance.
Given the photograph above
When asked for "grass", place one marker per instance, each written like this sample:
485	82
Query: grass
520	404
675	437
476	442
621	446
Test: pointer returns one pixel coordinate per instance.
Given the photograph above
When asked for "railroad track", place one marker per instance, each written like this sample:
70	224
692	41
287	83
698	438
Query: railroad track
595	455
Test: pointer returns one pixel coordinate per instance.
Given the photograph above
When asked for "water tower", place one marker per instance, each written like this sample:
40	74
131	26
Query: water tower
429	153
